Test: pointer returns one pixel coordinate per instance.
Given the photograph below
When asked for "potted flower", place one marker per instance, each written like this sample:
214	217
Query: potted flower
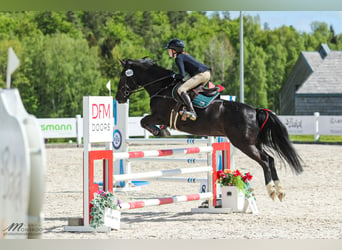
235	187
101	201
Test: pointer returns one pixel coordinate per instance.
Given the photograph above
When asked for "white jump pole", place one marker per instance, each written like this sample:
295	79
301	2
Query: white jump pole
177	160
153	174
165	141
182	179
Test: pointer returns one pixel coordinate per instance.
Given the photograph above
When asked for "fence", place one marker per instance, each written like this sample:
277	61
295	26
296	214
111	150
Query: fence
315	125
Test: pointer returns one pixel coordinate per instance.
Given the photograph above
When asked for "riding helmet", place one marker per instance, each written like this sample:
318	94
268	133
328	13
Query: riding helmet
176	44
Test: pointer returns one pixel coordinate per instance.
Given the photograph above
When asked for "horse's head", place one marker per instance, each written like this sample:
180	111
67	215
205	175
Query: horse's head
136	73
127	83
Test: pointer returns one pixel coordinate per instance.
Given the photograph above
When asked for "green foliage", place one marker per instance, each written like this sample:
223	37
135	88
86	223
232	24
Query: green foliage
63	71
101	201
67	54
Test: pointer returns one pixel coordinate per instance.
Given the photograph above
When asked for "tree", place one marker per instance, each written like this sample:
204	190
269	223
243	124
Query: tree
275	66
67	54
255	76
63	70
220	57
51	22
176	18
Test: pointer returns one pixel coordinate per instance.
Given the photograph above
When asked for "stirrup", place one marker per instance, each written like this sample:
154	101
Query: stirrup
191	115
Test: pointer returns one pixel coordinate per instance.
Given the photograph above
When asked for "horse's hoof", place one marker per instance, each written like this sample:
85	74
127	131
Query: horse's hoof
280	192
271	190
281	196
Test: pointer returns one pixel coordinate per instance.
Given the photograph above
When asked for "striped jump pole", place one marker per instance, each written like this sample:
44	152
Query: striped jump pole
211	154
162	152
164	201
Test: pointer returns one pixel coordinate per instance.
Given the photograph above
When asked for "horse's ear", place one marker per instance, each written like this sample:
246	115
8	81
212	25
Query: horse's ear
123	62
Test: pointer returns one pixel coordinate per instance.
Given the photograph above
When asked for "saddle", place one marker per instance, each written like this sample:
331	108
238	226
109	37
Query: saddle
209	92
201	97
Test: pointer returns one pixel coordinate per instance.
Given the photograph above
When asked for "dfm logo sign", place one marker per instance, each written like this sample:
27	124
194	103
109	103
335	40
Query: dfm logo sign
102	113
98	118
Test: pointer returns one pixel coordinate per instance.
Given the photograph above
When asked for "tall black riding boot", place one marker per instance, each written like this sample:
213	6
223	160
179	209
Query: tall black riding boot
190	112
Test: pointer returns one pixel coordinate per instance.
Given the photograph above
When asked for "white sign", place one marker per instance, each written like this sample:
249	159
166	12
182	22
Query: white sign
112	218
98	118
299	124
330	125
58	128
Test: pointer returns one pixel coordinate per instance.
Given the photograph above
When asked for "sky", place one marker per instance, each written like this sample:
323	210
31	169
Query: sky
301	20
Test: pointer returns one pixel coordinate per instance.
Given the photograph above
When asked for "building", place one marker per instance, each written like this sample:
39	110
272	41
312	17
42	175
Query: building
314	85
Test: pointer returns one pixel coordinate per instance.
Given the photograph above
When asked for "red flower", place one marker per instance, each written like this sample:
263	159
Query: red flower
247	177
237	173
220	174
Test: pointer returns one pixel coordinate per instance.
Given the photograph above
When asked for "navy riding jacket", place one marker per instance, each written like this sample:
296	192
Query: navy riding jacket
188	64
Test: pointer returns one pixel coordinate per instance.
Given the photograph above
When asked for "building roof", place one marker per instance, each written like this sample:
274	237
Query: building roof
327	72
314	59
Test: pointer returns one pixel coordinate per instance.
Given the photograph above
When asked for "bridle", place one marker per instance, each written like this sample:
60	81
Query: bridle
126	90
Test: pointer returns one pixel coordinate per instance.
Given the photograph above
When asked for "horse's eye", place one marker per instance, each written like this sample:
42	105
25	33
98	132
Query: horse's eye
129	73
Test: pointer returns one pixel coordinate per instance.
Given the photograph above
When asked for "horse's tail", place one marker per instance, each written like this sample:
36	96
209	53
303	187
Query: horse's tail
273	134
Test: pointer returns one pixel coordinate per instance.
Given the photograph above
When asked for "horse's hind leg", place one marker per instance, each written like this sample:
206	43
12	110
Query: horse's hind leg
275	178
264	160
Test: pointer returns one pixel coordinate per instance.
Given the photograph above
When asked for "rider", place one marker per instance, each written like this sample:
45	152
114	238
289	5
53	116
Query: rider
200	73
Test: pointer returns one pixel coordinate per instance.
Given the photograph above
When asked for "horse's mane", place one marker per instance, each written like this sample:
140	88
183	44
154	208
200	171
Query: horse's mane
148	63
146	60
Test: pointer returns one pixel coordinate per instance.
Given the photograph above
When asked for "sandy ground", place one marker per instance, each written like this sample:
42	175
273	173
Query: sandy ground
311	209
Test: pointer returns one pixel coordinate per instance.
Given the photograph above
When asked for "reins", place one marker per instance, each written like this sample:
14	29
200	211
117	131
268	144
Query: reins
161	90
129	92
148	84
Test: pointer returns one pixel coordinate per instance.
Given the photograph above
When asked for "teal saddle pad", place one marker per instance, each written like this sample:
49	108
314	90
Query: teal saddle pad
200	101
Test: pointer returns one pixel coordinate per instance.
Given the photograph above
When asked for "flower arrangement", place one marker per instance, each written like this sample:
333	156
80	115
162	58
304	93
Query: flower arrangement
230	177
101	201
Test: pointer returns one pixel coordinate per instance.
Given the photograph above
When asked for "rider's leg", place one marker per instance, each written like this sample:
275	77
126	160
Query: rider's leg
190	108
200	78
193	82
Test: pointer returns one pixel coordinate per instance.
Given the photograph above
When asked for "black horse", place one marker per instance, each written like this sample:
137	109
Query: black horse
251	130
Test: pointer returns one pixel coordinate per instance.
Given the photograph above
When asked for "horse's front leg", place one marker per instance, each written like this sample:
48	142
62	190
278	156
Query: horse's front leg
149	123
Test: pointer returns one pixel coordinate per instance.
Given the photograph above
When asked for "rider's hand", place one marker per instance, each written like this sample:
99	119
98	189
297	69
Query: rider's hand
176	76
